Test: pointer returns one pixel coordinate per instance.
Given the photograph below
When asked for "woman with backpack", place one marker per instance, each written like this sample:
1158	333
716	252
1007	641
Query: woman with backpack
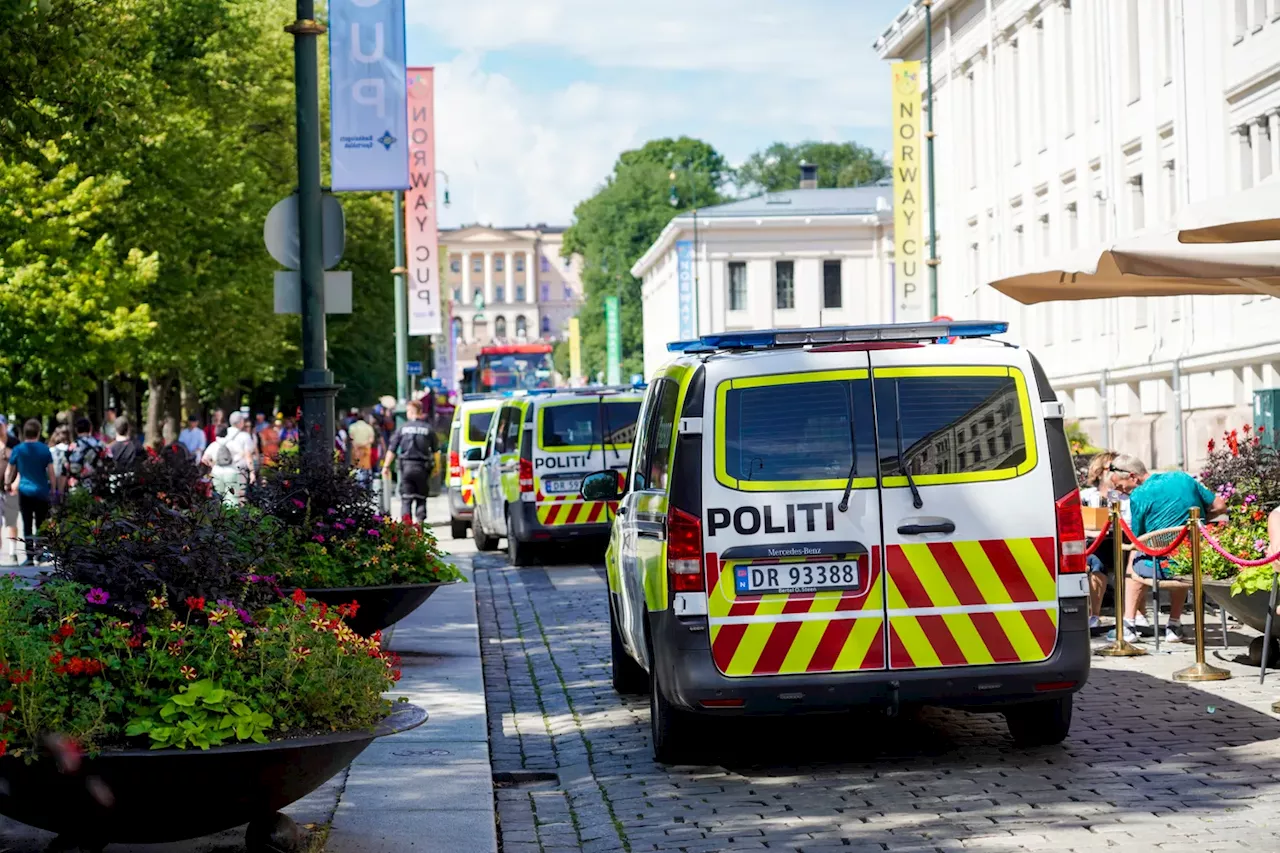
221	459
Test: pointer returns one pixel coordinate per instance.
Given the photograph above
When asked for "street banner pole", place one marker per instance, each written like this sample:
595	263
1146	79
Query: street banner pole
318	390
908	233
928	141
402	313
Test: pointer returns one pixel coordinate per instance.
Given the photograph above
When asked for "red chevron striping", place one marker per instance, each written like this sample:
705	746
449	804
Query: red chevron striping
830	645
860	599
776	648
726	643
713	569
744	608
798	605
1002	559
574	512
552	513
994	637
956	572
941	641
1046	546
898	656
903	576
874	658
1042	628
594	515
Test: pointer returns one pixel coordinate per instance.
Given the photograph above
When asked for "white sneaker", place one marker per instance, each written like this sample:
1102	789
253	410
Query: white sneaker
1094	622
1173	633
1141	621
1130	635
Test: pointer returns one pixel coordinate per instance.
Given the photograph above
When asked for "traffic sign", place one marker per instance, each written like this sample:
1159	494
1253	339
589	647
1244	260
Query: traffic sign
414	368
280	232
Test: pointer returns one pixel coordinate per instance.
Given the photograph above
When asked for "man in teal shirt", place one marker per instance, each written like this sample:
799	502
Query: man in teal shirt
1158	501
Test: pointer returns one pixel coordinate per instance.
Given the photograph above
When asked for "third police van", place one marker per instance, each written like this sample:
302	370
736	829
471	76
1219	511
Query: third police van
816	519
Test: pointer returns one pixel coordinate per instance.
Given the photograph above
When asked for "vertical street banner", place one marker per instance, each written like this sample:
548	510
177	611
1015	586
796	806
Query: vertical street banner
445	349
575	352
908	223
421	237
612	341
367	119
684	283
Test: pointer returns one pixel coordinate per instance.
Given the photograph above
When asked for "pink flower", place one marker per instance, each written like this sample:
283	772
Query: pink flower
317	538
349	521
299	504
97	596
372	532
331	511
338	525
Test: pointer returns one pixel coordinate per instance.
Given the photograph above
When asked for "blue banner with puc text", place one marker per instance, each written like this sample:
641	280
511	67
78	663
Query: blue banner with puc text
684	281
368	118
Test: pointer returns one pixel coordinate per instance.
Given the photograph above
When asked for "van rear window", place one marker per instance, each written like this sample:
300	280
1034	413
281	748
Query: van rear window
950	424
803	431
580	425
478	426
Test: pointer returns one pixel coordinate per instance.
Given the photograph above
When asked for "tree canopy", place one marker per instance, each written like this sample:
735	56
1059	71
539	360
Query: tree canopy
840	164
614	227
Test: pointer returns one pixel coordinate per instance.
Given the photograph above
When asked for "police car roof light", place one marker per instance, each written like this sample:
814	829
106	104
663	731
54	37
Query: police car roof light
771	338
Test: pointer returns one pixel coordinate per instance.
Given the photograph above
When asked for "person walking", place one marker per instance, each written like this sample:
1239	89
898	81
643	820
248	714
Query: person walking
85	456
360	440
33	462
269	439
193	438
414	446
244	447
109	425
124	450
220	458
60	447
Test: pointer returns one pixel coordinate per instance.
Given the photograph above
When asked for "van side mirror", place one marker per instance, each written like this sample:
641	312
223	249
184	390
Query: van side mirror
602	486
475	454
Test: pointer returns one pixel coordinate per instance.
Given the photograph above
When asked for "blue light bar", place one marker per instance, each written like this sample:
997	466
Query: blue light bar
772	338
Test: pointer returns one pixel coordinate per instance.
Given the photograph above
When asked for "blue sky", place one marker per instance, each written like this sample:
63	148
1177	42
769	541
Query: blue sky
536	98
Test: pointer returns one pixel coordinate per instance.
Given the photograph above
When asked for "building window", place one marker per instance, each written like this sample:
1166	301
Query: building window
1044	236
1042	83
1246	156
568	262
477	264
520	262
1265	166
546	326
499	263
455	264
784	284
457	329
1100	206
520	293
737	286
1166	38
477	329
1137	204
568	293
1242	20
1259	14
499	326
832	292
1134	50
499	293
1171	189
477	295
1015	83
1068	73
972	95
457	294
546	292
546	264
1140	311
522	326
1073	227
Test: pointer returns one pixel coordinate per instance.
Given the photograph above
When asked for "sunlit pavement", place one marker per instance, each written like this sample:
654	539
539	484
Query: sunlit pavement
1151	764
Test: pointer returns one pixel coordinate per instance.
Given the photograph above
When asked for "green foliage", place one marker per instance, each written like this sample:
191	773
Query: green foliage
201	715
1244	533
1254	579
614	227
840	164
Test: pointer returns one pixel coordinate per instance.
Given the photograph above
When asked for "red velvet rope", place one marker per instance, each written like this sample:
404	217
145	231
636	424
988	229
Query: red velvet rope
1097	542
1153	552
1239	561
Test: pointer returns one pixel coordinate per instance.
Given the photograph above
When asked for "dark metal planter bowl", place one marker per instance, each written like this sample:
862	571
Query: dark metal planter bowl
175	794
1250	609
380	606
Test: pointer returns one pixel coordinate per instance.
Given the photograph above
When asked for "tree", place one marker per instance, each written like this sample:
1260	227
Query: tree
614	227
840	164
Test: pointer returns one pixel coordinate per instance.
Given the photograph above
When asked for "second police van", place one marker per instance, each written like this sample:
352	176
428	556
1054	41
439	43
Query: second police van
539	447
819	519
470	425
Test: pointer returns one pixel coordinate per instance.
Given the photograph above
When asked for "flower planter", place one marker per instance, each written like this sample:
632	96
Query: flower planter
175	794
380	606
1250	609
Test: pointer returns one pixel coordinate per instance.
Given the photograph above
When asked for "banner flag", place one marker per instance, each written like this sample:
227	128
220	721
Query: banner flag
575	351
422	236
367	119
612	341
908	224
684	274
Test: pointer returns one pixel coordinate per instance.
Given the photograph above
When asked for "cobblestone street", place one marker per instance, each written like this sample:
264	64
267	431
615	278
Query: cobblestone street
1150	765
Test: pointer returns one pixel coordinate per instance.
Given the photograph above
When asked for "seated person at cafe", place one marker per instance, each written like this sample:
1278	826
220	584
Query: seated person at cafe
1157	501
1097	483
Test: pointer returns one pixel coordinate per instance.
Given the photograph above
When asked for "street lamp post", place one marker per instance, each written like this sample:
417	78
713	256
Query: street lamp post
928	137
675	202
317	387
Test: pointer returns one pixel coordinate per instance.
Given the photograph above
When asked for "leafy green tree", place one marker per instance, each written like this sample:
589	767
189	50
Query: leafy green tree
614	227
840	164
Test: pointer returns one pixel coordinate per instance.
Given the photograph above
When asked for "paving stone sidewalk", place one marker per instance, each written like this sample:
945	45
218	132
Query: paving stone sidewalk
1151	764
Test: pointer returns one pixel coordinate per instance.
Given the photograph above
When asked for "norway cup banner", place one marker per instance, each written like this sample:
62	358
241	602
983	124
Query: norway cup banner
367	118
421	236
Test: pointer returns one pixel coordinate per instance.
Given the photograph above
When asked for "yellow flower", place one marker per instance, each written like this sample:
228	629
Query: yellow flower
236	637
189	673
159	602
176	625
218	615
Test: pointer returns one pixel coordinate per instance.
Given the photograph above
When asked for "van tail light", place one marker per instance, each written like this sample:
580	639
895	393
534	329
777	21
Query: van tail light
684	551
526	476
1071	535
455	464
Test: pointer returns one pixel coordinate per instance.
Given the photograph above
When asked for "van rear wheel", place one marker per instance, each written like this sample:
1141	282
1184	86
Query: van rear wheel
1042	723
484	542
629	677
674	732
458	528
518	553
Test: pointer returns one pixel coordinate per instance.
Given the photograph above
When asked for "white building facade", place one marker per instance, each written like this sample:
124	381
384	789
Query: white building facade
1063	125
807	257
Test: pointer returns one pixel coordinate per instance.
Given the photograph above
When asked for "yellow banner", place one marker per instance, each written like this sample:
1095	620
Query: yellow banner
908	222
575	352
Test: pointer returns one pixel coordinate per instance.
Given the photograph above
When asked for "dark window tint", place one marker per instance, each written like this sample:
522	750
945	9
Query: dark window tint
478	426
784	285
500	435
737	286
832	296
950	424
801	431
579	424
660	437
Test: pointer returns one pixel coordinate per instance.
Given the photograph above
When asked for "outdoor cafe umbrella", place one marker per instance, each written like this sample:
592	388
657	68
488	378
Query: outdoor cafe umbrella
1249	216
1154	265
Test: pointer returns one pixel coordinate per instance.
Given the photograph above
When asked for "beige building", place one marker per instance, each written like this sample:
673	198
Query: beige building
526	290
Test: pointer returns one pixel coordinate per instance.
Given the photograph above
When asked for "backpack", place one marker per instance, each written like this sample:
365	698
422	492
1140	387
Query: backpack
125	454
83	458
222	455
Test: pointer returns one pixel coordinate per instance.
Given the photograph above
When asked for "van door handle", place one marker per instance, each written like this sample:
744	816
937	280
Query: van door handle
921	529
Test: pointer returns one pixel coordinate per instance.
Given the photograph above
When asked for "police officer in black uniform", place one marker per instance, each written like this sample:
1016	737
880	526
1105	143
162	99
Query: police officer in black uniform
414	446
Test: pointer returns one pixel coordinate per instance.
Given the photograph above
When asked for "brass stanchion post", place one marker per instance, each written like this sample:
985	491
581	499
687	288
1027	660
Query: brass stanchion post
1199	671
1121	648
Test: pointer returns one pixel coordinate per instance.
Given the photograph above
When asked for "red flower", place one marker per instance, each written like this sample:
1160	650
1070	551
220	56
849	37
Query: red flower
195	603
19	677
1246	429
134	642
299	597
395	675
67	629
6	707
4	747
1211	445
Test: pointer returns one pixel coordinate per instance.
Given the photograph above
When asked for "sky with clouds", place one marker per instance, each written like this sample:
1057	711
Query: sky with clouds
536	98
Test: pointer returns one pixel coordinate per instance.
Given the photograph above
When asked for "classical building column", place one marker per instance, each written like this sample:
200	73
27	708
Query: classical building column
1243	169
530	278
466	278
1262	165
488	278
508	268
1273	128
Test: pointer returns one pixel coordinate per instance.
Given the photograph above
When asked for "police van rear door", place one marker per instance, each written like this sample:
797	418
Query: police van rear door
970	568
791	514
576	435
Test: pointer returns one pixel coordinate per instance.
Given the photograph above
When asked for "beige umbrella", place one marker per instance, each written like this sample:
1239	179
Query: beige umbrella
1249	216
1152	266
